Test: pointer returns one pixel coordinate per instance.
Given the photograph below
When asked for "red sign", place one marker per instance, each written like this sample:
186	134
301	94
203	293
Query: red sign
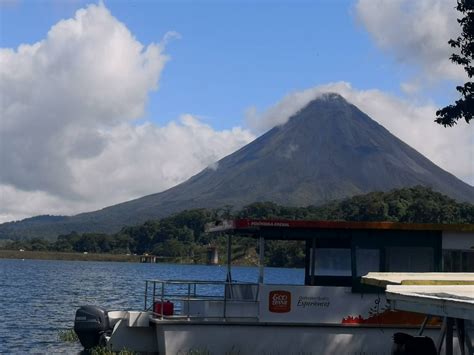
279	301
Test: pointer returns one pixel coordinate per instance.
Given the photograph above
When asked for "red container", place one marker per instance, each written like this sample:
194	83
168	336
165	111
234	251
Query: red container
168	308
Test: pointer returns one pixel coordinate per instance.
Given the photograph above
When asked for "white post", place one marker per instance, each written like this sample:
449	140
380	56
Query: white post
229	258
261	259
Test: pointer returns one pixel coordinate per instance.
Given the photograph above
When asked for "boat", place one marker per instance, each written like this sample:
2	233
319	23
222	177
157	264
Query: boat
333	312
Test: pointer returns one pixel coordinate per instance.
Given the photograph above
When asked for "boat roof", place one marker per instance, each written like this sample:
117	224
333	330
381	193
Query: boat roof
455	301
249	225
383	279
444	294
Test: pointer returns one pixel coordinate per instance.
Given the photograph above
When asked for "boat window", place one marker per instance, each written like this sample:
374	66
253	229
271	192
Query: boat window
458	260
413	259
332	262
367	260
284	253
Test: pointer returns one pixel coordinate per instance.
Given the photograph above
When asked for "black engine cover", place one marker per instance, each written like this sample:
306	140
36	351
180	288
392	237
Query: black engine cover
90	323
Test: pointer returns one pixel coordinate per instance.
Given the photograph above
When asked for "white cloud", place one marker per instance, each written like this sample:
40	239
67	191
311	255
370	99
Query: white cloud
450	148
68	140
415	33
137	160
89	72
146	159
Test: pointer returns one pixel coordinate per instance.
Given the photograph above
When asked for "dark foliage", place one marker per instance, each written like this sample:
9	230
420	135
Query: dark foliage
411	205
464	107
182	235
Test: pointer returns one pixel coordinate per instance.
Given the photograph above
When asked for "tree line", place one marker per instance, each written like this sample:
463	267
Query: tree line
182	235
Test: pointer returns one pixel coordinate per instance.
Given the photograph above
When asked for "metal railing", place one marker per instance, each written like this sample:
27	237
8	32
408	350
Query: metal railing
185	293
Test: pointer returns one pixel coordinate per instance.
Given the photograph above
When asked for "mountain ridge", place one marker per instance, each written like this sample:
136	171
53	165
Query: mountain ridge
328	150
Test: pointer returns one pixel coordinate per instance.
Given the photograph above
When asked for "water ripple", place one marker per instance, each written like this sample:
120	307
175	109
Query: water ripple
39	297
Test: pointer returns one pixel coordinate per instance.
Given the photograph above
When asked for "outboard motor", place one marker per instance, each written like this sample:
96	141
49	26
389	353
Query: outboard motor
90	325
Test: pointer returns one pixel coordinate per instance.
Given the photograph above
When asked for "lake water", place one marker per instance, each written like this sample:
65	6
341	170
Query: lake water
40	297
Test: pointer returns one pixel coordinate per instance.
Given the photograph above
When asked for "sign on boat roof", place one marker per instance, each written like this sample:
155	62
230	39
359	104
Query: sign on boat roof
255	224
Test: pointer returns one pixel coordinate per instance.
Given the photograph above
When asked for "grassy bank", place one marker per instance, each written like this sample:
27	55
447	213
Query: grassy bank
54	255
51	255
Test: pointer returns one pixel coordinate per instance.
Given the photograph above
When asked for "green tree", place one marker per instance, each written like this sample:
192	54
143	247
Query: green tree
66	242
170	247
38	244
464	107
122	243
141	235
194	220
87	243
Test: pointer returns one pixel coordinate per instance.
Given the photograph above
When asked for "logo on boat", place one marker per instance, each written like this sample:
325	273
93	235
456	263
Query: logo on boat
279	301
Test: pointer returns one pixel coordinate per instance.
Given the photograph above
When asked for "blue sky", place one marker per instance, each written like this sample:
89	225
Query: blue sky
233	54
82	126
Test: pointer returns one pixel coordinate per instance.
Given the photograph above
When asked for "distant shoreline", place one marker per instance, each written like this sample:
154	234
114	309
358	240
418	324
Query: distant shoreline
52	255
75	256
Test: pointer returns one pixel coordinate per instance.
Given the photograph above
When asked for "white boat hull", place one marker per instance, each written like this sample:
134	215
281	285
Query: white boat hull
172	337
246	338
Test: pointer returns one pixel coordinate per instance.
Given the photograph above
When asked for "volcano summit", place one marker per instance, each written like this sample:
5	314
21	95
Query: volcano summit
328	150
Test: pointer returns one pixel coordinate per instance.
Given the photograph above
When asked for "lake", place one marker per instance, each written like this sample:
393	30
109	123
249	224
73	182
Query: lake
40	297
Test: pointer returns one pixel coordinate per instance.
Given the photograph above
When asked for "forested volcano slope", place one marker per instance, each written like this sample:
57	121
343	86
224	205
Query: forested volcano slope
327	151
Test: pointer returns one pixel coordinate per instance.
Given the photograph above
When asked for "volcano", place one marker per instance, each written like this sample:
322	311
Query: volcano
328	150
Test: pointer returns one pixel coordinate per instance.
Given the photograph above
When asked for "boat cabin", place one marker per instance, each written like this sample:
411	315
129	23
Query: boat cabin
340	253
337	255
